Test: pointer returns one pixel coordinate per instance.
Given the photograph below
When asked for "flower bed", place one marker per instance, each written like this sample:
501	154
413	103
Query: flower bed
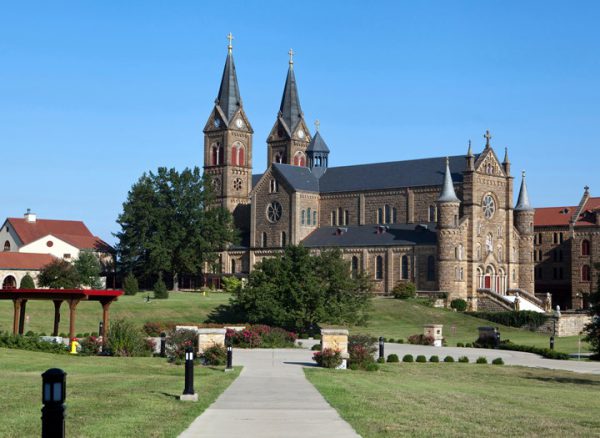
261	336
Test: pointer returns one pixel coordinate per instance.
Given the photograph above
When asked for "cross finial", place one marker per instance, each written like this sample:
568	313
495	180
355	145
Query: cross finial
317	124
523	173
587	189
291	53
487	137
230	38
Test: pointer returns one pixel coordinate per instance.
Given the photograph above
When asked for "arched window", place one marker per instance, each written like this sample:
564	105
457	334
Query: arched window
215	158
432	215
404	273
431	268
283	239
278	158
233	266
241	155
585	273
273	186
388	213
9	282
264	239
585	248
302	217
378	268
234	155
354	266
7	246
379	216
333	218
315	217
308	216
394	215
299	159
340	216
458	252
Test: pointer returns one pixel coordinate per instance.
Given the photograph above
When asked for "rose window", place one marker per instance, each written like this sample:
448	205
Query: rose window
274	211
237	184
489	206
216	183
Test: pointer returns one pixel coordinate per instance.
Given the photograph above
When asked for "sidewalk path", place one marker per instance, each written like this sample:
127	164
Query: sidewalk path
270	398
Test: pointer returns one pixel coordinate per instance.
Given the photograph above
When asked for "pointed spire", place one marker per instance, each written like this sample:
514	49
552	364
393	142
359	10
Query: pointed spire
317	144
470	150
523	200
448	194
229	99
290	110
506	160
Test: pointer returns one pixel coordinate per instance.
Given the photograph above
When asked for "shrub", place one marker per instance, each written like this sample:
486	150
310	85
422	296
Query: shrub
160	289
434	359
469	345
130	284
481	359
403	291
353	367
125	339
232	284
316	347
361	349
421	358
328	358
153	328
261	336
393	358
459	304
30	343
521	319
90	346
27	282
420	339
498	361
177	342
391	340
372	367
400	341
58	274
408	358
460	344
449	359
545	352
215	355
463	359
380	360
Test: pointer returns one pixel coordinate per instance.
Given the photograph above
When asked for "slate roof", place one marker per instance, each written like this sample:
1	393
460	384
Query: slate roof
447	194
229	93
299	177
368	235
317	144
290	110
523	200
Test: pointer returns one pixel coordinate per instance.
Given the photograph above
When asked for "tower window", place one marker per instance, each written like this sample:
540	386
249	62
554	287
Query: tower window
432	213
308	216
278	158
585	248
273	187
585	273
217	154
378	268
299	159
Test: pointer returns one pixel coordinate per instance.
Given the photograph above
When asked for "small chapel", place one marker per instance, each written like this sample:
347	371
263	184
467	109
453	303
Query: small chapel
447	224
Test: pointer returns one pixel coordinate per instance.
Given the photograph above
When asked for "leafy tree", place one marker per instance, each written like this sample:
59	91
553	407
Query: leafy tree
170	224
88	268
593	328
130	284
298	291
27	282
59	274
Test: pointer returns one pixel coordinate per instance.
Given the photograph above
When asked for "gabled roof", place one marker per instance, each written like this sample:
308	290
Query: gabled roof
298	177
72	232
23	261
372	235
561	216
229	99
290	110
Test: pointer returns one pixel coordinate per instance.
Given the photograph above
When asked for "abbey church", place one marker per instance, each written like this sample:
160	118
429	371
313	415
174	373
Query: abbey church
447	224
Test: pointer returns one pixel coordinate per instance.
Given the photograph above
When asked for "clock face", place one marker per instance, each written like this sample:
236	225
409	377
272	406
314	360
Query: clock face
301	133
239	123
217	123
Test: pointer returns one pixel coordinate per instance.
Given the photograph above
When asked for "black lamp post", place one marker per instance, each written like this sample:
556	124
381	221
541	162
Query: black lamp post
163	344
229	358
54	392
101	329
188	392
381	348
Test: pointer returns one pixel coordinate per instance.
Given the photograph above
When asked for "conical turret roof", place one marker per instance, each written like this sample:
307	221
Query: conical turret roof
448	194
290	110
523	200
229	99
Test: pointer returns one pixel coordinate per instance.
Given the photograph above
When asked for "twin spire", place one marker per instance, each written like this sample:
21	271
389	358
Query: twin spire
290	110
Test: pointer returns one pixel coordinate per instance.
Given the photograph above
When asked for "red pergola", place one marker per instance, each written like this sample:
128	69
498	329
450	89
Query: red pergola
72	296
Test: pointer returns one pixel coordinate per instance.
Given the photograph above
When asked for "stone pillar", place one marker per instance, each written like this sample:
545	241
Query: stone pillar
208	337
435	331
336	339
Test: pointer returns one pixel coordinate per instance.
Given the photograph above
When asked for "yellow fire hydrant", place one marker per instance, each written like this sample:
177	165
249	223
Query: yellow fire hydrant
74	345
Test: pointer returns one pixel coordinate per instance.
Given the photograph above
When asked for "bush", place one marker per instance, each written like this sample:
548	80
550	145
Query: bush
27	282
328	358
372	367
408	358
481	359
498	361
434	359
215	355
261	336
90	346
58	274
353	367
545	352
463	359
400	341
403	291
459	304
391	340
153	329
361	349
521	319
316	347
177	342
125	339
393	358
160	289
460	344
420	339
421	359
30	343
449	359
130	284
232	284
469	345
381	360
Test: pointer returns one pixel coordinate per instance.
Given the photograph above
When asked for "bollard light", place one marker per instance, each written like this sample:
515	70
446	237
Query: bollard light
54	391
101	329
229	358
188	392
381	348
163	344
552	342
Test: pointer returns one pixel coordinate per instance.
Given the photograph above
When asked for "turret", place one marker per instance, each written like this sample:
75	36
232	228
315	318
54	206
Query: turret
523	219
448	203
317	154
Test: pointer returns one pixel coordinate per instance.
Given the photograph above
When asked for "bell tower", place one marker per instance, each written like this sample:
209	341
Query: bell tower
289	137
228	145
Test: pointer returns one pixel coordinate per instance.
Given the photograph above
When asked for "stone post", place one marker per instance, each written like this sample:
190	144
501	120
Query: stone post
435	331
336	339
208	337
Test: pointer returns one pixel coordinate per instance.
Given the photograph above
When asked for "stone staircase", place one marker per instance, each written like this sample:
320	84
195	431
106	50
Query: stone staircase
516	299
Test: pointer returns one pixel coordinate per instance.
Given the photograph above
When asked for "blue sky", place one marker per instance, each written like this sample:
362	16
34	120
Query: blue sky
92	94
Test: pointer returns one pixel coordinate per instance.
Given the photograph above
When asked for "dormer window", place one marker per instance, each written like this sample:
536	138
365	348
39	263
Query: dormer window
6	246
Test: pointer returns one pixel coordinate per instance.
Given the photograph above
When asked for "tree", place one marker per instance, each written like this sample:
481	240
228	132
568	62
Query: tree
27	282
88	268
298	291
593	328
130	284
170	224
59	274
160	289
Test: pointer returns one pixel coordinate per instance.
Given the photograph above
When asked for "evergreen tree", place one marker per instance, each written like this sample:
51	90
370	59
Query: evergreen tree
593	328
88	268
27	282
160	289
59	274
130	284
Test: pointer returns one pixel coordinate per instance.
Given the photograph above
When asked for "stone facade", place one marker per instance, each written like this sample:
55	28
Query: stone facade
209	337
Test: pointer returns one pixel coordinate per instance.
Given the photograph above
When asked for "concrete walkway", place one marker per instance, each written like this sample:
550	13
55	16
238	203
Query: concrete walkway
270	398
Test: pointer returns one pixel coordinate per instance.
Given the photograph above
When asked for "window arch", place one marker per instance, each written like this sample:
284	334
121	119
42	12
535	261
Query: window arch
404	271
278	158
585	248
273	186
237	154
217	154
9	282
432	213
302	217
585	273
315	217
7	246
341	216
458	252
283	239
354	266
308	216
378	268
431	268
264	240
299	159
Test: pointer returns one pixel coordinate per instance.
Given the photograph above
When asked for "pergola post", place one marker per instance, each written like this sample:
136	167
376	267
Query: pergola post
72	313
105	319
57	304
22	317
16	315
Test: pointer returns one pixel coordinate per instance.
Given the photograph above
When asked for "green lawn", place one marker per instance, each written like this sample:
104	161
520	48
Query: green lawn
462	400
180	307
106	396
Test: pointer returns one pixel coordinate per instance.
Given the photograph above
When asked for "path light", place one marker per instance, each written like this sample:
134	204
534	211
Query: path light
54	391
163	344
188	392
229	358
381	348
101	329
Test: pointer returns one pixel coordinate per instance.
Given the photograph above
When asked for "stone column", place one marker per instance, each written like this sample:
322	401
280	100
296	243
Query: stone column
208	337
336	339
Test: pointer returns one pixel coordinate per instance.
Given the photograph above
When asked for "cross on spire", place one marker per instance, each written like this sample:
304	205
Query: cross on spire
291	53
317	124
230	38
487	137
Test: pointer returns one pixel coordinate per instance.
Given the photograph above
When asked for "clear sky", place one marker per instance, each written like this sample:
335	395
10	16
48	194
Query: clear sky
92	94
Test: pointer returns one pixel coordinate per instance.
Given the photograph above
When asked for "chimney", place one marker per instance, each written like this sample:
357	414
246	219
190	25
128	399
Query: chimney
30	217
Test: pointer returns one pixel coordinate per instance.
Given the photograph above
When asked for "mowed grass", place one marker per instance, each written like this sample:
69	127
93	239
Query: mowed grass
106	396
180	307
462	400
395	319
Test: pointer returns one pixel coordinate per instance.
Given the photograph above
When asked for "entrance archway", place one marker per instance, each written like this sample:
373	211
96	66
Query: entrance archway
9	282
488	279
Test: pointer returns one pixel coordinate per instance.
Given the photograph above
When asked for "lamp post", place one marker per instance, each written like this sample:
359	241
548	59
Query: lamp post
188	392
229	358
101	329
54	390
381	348
556	316
163	344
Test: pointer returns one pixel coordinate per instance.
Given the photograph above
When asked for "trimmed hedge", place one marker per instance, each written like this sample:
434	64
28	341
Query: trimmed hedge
481	359
498	361
459	304
524	318
434	359
408	358
463	359
449	359
393	358
421	359
545	352
30	343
